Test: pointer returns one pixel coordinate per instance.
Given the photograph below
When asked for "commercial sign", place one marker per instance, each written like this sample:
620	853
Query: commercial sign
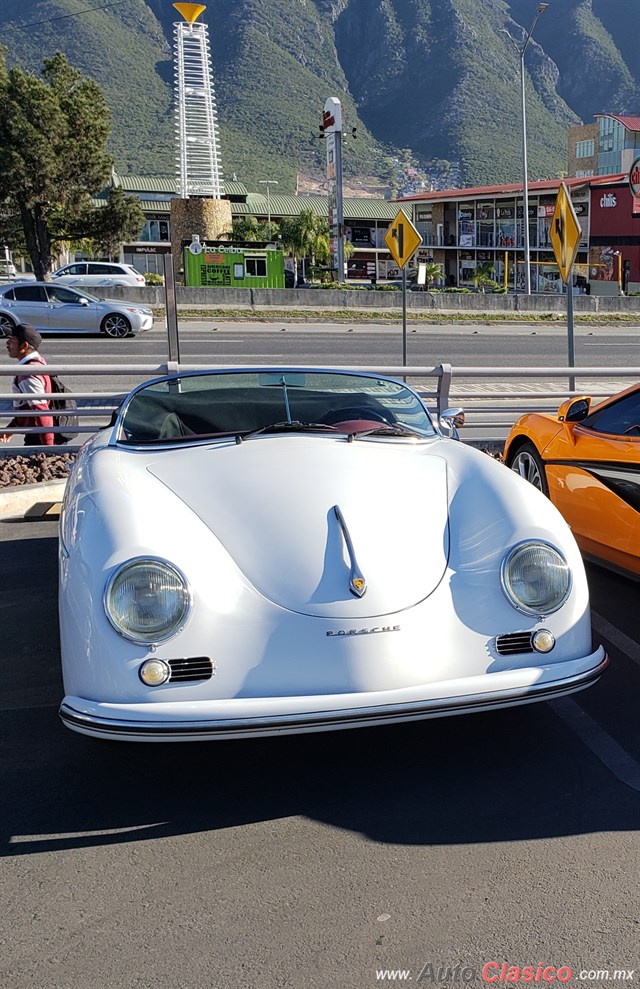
634	178
332	130
634	185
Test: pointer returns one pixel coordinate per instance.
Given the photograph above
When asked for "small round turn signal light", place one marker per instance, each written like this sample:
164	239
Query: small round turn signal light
543	640
154	672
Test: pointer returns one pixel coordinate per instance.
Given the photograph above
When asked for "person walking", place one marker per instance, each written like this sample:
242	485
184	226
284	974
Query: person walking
22	345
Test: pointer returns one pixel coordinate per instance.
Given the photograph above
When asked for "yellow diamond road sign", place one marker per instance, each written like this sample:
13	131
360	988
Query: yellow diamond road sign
565	232
402	239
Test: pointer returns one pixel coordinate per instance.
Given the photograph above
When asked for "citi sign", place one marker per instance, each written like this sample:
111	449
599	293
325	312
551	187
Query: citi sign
608	200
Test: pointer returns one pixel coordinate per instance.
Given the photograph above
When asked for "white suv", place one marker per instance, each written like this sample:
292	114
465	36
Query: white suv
98	273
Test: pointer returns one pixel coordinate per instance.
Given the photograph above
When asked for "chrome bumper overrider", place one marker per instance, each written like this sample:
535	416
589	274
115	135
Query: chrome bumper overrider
192	730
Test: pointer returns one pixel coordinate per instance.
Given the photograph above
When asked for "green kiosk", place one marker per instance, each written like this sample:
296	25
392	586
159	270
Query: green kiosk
233	264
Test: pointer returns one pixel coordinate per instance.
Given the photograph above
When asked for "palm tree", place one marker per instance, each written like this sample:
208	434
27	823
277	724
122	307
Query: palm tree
306	236
432	273
484	275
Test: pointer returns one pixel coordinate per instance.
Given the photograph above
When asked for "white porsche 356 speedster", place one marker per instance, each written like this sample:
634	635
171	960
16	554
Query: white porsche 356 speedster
254	552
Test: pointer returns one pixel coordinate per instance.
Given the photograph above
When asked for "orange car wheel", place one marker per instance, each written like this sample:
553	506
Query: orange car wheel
526	462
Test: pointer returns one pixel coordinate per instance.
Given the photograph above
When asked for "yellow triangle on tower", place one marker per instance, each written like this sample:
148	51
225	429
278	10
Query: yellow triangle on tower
190	11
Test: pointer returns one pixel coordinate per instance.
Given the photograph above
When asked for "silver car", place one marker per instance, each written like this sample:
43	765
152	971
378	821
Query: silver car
61	309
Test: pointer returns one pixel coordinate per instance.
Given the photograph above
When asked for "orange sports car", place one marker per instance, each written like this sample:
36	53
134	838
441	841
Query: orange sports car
586	459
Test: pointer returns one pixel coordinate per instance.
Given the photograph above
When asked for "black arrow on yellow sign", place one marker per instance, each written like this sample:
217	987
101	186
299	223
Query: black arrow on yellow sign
402	239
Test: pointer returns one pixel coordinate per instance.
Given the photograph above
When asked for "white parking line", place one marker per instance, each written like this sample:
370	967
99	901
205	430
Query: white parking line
610	753
617	638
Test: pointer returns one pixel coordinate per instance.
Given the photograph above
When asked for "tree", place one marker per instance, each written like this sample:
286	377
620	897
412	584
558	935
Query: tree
483	275
248	228
432	273
306	236
121	218
53	135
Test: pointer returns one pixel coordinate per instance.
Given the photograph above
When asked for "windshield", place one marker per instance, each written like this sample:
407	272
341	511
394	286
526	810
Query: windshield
201	405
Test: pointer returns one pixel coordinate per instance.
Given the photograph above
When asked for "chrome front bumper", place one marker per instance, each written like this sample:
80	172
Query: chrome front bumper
139	729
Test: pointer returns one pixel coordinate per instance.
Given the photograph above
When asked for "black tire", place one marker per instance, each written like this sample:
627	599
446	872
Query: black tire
527	462
116	325
6	325
346	415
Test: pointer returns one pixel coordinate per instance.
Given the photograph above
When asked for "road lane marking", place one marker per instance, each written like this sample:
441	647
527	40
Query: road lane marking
617	638
610	753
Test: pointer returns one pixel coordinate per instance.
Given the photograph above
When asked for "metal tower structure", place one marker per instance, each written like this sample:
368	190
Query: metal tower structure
200	170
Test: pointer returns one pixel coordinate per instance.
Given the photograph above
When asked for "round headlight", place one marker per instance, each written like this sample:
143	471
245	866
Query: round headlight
147	600
536	578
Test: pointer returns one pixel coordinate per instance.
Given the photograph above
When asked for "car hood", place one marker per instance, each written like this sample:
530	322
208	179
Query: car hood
271	500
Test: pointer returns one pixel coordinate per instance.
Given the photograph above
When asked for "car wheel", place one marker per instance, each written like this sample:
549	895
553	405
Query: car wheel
115	325
6	326
528	464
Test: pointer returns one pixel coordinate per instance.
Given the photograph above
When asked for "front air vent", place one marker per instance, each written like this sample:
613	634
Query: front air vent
514	642
196	668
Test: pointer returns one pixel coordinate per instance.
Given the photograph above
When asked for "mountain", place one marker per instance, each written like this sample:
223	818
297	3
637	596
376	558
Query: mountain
435	82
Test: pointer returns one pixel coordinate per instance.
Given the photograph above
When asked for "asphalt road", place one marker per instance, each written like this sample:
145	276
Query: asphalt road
319	860
509	345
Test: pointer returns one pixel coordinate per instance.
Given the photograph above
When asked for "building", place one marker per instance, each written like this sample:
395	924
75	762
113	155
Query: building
582	151
366	222
464	229
614	237
607	147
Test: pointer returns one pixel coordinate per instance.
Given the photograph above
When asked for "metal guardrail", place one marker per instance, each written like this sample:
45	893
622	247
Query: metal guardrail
489	409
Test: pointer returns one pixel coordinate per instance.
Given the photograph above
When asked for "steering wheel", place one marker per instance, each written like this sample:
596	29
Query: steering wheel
354	414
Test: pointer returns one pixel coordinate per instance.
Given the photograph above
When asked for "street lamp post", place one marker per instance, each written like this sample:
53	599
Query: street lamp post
521	49
268	182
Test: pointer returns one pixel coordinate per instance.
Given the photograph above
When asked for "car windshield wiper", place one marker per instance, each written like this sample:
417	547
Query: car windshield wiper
291	426
397	429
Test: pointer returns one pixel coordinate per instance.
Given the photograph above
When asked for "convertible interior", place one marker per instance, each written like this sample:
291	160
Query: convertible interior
153	416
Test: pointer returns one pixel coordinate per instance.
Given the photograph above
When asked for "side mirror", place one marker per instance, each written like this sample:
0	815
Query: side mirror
574	409
83	301
451	421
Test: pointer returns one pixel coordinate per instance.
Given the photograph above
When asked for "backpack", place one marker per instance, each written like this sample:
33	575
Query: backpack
69	408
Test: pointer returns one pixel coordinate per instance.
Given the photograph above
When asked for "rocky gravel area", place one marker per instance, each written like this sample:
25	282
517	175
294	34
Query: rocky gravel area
34	468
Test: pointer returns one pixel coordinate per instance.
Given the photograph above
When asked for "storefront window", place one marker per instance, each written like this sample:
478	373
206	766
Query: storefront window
485	217
424	226
545	214
506	225
533	225
466	268
466	225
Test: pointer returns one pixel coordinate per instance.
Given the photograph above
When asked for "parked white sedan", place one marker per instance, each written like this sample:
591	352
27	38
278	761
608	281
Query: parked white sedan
60	309
255	552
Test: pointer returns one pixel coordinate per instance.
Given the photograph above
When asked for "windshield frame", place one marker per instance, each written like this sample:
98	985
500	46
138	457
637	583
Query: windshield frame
117	437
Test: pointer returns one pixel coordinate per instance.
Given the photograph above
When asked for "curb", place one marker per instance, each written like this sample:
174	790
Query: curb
31	500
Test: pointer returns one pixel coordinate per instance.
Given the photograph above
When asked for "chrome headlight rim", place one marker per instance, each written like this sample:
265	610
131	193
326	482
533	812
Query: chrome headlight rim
148	640
513	600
